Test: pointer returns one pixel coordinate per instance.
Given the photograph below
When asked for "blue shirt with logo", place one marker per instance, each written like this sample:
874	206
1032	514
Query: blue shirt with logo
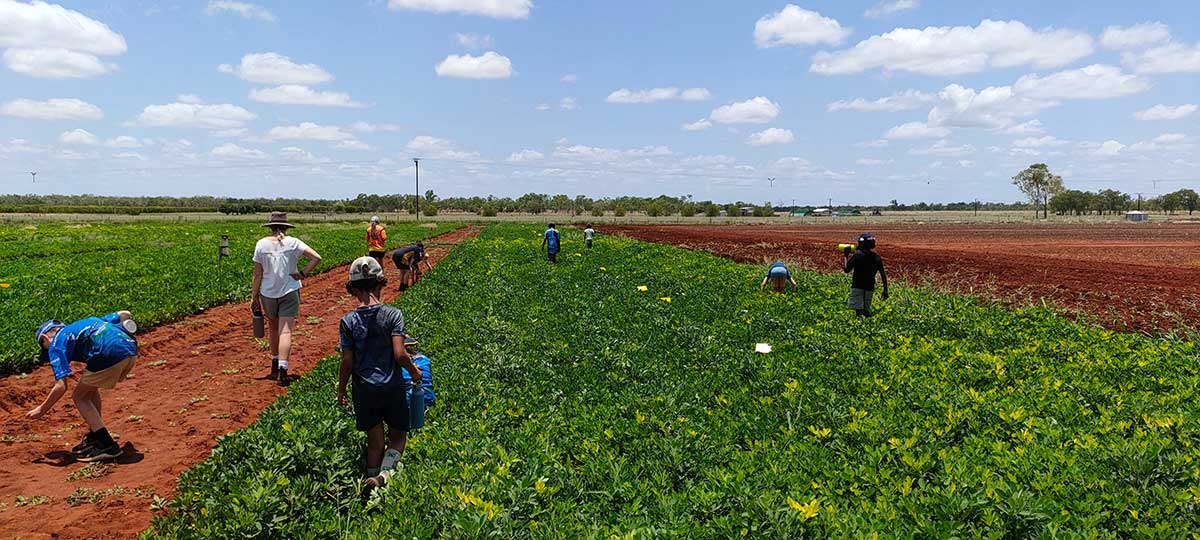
99	342
552	240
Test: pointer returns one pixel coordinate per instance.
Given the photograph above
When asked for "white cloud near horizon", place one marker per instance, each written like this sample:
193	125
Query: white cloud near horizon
294	94
1166	112
771	136
1120	38
308	131
193	115
489	65
902	101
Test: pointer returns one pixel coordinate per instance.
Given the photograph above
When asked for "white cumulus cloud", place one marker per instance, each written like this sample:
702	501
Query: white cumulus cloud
56	63
771	136
1166	112
794	25
1096	81
52	109
888	7
500	9
1169	58
233	151
1133	37
274	68
309	131
1038	142
625	95
525	155
43	25
699	125
489	65
903	101
78	136
193	115
294	94
993	107
758	110
245	9
916	130
944	50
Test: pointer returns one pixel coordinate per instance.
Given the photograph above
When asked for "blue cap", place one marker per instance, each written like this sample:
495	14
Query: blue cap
46	327
409	340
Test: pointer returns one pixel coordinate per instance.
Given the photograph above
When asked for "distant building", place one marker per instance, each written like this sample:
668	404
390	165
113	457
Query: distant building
746	211
819	212
1137	215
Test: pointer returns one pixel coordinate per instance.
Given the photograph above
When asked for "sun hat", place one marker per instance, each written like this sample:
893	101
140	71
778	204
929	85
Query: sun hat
46	327
365	268
278	219
374	219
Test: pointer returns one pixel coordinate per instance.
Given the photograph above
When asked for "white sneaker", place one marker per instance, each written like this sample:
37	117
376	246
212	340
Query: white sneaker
390	458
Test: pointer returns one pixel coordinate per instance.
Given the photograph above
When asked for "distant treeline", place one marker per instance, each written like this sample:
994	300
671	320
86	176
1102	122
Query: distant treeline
1111	201
430	203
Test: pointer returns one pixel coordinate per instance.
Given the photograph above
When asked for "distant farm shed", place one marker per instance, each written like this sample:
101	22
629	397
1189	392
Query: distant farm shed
1137	216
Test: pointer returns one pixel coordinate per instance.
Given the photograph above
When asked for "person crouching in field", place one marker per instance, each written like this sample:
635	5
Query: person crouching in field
109	351
779	276
550	243
275	291
865	263
376	240
408	261
372	341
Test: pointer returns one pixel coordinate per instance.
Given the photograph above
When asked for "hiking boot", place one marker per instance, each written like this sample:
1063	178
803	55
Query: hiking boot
88	441
274	376
99	452
378	480
284	380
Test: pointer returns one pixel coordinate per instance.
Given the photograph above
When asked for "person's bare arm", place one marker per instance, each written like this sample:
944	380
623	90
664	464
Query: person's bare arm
56	393
344	375
848	260
795	287
400	354
256	287
763	285
883	276
313	260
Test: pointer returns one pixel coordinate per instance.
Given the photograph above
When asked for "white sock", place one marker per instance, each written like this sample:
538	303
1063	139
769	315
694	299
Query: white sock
283	363
390	458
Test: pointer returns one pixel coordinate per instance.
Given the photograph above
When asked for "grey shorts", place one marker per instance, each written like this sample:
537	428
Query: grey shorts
860	299
288	306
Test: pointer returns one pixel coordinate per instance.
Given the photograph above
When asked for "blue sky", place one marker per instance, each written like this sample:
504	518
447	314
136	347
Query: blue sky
859	102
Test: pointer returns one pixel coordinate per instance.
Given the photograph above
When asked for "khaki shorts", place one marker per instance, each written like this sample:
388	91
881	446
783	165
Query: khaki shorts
288	306
108	378
860	299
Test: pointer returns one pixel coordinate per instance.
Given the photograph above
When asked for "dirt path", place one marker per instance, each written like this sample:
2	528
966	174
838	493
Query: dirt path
196	379
1140	277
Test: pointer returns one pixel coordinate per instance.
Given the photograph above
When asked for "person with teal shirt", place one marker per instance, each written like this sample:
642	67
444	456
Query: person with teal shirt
550	243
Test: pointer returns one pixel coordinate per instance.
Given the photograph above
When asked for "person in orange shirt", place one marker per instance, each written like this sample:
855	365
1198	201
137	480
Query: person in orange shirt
376	240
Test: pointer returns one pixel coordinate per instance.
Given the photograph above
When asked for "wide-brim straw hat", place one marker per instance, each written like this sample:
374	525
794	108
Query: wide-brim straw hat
278	219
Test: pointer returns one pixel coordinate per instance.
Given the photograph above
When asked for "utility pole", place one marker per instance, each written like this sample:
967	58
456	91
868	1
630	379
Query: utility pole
417	194
1139	202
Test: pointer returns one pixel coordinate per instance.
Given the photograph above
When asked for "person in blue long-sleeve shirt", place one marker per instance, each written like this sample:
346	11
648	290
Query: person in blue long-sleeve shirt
106	347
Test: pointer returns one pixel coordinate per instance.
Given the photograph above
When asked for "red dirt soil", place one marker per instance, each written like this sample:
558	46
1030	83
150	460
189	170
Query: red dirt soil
1140	277
167	416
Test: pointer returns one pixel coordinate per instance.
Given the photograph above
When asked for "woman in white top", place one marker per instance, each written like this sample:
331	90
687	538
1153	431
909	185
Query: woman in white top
276	289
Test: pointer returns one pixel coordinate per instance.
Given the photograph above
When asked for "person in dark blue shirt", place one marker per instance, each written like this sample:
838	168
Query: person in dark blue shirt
779	276
106	347
550	243
372	341
865	263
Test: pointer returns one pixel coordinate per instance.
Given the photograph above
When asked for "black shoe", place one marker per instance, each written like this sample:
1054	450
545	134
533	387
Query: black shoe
88	441
274	375
99	452
284	380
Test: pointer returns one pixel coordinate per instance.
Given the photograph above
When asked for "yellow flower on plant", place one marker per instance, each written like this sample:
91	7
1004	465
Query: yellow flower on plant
603	269
643	288
807	511
4	285
666	299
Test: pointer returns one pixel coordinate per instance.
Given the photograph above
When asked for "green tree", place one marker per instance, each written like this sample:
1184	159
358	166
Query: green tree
1039	184
1188	199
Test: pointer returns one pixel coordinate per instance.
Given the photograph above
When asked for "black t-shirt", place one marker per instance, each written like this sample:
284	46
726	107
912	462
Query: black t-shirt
864	265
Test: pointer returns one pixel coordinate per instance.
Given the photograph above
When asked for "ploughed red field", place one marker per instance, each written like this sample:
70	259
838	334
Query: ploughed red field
1141	277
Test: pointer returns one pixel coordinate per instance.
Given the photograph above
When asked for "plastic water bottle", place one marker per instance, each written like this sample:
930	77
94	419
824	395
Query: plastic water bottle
259	330
416	407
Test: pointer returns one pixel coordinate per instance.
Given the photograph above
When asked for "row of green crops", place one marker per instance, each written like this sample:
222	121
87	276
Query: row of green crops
571	404
159	271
